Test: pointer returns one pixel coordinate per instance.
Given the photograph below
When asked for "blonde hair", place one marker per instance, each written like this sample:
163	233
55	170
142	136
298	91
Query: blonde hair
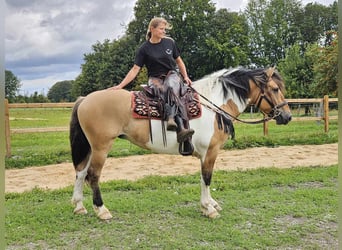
154	23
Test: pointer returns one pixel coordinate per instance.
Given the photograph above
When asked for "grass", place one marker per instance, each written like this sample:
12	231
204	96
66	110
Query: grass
39	117
37	149
262	209
295	133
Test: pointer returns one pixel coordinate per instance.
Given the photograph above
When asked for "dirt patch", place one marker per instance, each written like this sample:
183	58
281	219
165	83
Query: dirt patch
135	167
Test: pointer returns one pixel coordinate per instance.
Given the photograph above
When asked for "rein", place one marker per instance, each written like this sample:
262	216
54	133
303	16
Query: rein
275	109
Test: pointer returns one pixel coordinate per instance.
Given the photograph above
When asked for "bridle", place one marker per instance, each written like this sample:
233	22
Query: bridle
275	109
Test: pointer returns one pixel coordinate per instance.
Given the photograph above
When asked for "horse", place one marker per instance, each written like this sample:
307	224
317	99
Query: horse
102	116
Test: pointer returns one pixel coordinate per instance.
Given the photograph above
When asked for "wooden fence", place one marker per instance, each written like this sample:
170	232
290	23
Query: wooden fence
8	131
322	101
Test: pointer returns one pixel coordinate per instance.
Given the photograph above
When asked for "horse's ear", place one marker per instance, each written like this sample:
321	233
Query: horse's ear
270	71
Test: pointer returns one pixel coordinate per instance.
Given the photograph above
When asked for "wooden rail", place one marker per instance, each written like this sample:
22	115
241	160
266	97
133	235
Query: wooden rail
8	106
41	105
325	117
8	131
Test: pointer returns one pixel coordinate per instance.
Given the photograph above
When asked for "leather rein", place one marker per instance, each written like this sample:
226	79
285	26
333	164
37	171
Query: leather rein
273	114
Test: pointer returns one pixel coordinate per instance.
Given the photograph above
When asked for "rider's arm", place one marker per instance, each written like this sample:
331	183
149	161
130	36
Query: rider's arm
182	69
129	77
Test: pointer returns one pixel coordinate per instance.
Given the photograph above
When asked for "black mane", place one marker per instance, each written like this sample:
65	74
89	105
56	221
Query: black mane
239	81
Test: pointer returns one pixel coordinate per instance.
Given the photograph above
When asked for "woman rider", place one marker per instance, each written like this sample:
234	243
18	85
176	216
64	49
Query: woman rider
161	56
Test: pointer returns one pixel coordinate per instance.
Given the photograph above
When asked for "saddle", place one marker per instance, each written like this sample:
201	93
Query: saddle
148	104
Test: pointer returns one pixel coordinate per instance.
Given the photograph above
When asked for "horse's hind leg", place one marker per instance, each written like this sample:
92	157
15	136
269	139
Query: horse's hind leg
93	177
91	172
77	197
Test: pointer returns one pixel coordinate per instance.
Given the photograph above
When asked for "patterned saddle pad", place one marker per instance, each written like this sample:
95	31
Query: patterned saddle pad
145	106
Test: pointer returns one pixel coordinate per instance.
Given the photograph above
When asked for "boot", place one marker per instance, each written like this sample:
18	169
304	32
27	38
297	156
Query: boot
171	125
182	133
170	114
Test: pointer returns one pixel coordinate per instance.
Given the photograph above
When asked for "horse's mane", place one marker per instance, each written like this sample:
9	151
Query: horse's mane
238	80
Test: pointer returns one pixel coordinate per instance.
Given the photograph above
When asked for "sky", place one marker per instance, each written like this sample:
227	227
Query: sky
45	40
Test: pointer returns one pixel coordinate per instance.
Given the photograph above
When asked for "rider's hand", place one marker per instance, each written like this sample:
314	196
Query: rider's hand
188	81
115	87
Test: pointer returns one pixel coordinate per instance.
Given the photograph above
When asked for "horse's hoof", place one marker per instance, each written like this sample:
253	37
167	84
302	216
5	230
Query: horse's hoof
81	210
106	216
211	213
218	208
103	213
214	215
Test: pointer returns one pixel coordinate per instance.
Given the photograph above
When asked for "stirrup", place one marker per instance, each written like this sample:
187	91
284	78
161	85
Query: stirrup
186	148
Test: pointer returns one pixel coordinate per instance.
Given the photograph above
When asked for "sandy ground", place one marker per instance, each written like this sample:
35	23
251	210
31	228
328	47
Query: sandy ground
135	167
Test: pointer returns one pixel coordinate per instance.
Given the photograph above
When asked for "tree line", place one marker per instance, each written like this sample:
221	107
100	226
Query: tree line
300	40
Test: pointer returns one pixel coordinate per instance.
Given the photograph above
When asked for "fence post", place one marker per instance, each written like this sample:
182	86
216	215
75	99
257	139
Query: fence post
326	113
7	130
265	127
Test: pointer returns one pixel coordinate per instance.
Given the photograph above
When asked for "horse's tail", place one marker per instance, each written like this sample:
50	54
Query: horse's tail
80	146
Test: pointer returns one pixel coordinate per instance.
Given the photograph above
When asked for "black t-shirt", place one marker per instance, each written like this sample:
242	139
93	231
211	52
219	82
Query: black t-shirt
159	58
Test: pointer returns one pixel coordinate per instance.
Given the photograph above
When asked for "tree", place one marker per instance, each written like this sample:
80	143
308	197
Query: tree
296	69
331	23
106	66
312	73
316	22
273	28
325	67
313	24
227	45
12	85
37	98
61	91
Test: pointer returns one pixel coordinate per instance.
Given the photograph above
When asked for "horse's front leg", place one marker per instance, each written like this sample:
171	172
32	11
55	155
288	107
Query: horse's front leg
209	206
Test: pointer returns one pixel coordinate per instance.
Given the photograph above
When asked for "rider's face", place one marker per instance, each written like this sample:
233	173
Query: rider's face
159	31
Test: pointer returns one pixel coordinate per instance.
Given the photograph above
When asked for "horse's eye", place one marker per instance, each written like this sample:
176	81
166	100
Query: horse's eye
275	90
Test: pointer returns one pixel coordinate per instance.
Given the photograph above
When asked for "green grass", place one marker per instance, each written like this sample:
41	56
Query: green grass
262	209
295	133
37	149
39	117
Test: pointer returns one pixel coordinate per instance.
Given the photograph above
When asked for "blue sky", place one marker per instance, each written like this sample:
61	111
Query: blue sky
45	40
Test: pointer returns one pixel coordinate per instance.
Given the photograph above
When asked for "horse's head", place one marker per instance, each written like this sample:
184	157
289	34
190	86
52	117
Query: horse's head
267	93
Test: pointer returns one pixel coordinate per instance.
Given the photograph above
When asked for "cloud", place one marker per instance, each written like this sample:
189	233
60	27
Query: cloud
42	83
231	5
46	37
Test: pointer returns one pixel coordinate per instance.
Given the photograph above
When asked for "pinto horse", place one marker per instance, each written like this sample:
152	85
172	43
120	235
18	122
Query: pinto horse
104	115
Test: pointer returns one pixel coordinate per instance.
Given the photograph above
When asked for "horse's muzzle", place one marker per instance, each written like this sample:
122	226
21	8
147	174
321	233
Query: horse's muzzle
283	118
